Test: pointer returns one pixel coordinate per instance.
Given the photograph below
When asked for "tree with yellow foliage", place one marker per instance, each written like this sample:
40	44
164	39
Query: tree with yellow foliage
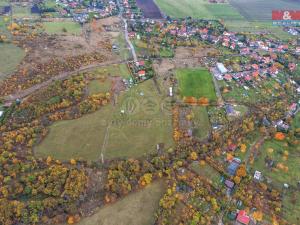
194	156
258	215
243	148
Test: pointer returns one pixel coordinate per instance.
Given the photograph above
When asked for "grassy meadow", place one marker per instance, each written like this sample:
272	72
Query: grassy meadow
135	209
10	57
112	133
68	27
196	83
201	121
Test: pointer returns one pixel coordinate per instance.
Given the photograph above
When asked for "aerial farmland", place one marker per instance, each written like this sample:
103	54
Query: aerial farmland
142	112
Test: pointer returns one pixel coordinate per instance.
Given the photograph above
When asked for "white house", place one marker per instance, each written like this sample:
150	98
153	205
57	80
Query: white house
221	68
257	175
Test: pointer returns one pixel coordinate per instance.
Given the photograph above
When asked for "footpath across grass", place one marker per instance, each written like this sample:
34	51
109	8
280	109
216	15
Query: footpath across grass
196	83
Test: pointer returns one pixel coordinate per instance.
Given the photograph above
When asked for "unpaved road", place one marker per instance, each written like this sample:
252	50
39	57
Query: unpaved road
24	93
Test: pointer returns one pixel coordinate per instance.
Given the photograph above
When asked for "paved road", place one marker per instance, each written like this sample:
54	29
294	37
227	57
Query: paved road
218	92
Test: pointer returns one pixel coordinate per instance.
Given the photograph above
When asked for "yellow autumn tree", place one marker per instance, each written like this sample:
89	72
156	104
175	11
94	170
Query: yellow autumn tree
243	148
258	215
194	156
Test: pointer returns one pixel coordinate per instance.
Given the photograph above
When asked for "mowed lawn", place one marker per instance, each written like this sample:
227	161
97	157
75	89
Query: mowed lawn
10	57
144	124
135	209
196	83
198	9
68	27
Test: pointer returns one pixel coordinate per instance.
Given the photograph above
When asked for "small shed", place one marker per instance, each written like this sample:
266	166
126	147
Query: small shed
229	184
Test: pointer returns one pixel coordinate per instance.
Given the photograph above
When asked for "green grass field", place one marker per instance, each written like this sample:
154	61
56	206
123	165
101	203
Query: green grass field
291	204
201	121
97	86
10	57
198	9
135	209
196	83
112	70
62	27
208	172
136	132
124	52
279	176
258	10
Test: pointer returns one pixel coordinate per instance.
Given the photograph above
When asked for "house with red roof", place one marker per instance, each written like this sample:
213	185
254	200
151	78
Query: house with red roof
140	63
255	74
273	70
243	218
292	67
228	77
142	73
247	77
131	34
255	66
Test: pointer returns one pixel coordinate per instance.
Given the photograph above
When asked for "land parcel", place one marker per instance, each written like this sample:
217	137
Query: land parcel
138	121
135	209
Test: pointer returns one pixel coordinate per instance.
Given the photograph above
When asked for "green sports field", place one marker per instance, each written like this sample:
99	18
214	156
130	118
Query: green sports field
196	83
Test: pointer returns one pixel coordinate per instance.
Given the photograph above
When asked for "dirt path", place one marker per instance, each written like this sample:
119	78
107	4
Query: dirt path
26	92
255	148
126	32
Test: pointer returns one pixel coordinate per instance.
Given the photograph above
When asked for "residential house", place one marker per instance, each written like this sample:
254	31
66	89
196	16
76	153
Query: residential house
243	218
257	175
233	166
221	68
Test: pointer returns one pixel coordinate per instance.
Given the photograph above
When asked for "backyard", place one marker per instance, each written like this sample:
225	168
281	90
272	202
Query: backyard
196	83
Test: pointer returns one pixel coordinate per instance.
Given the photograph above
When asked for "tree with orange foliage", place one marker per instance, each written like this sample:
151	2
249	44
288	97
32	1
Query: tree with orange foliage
258	215
203	101
241	172
190	100
279	136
